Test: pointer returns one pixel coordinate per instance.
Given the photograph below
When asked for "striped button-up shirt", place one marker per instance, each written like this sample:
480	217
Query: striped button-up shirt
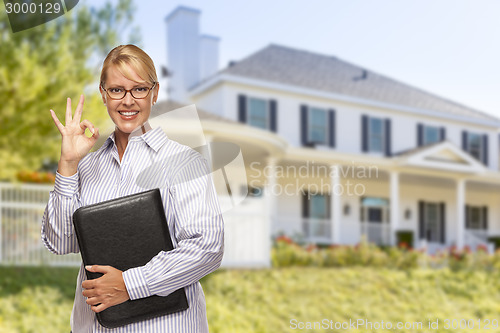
150	160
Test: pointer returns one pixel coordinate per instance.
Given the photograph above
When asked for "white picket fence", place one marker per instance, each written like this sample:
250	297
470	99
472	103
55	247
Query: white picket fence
247	240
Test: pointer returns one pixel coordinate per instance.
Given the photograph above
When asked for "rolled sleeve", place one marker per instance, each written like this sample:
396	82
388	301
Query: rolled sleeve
136	284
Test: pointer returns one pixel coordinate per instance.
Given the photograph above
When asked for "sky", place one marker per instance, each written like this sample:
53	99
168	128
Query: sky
450	48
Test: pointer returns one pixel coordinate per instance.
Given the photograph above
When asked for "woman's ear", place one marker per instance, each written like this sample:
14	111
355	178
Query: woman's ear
103	94
155	92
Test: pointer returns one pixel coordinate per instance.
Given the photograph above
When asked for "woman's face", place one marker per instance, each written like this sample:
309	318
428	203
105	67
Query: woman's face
127	113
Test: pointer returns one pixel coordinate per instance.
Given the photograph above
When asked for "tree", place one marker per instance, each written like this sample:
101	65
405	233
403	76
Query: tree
41	67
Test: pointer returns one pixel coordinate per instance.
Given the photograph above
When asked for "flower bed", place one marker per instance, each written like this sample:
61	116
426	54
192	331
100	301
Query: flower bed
287	253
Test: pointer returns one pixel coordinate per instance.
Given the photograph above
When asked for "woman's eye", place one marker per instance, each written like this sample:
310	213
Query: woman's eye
115	90
141	89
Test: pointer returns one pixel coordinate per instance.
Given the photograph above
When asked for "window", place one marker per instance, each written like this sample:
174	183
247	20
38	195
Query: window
431	135
316	215
376	135
376	132
475	217
318	205
474	145
251	191
318	126
258	113
432	222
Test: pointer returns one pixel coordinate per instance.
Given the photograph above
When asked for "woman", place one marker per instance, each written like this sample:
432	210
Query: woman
129	87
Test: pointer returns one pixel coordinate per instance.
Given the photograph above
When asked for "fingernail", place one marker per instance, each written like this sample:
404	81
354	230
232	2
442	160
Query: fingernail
92	130
88	267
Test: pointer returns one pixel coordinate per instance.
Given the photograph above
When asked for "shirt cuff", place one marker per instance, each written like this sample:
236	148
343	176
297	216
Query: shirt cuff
66	186
136	284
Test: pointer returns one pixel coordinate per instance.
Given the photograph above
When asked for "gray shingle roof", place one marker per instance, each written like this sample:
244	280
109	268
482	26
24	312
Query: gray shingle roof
169	105
305	69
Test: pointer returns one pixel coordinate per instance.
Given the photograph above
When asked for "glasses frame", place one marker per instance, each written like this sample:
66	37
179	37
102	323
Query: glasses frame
128	91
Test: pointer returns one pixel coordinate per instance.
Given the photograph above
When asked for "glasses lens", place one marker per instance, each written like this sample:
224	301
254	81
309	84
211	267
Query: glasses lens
140	92
116	93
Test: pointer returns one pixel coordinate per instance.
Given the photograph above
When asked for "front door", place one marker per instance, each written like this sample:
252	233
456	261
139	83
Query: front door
432	220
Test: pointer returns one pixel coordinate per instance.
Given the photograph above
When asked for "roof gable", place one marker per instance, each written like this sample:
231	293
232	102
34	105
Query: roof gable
443	155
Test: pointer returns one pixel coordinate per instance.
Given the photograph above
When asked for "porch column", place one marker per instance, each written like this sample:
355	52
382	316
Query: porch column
335	202
270	204
394	207
460	213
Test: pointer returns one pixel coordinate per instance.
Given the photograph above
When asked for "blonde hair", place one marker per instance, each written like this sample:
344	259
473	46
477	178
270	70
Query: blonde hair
133	56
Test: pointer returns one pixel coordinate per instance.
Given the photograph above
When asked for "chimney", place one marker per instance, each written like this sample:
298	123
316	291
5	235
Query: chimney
183	51
209	56
191	56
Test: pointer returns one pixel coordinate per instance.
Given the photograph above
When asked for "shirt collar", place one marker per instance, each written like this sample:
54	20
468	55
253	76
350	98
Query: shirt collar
154	137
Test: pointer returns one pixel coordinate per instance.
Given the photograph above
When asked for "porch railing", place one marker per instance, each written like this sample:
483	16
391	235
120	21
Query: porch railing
378	233
21	211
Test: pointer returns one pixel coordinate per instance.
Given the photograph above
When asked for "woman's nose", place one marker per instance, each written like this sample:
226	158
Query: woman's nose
128	99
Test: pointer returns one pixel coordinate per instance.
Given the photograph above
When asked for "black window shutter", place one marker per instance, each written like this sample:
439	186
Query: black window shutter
443	221
388	137
305	205
273	115
465	144
303	124
364	133
442	133
420	135
421	220
485	149
331	128
328	207
485	217
242	108
467	219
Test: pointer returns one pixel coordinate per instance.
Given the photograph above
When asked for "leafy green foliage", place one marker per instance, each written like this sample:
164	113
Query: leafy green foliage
40	68
36	299
39	299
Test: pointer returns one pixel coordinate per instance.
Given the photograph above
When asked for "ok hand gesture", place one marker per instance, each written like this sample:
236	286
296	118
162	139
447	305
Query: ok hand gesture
75	144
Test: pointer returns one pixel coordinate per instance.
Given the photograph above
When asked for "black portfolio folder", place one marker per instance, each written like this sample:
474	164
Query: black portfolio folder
124	233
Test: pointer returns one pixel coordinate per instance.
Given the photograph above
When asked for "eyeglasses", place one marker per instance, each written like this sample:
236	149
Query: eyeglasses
137	92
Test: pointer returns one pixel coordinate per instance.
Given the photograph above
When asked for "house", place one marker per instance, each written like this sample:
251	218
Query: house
335	152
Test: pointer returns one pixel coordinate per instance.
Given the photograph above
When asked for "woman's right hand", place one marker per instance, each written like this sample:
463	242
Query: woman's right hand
75	144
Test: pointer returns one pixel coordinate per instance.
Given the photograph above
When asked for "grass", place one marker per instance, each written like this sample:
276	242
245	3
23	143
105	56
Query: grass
274	300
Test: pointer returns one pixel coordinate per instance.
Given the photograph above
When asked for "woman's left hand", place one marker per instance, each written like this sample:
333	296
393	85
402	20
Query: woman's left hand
106	291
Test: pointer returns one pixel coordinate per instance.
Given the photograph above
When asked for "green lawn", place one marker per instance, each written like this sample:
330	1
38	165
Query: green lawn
278	300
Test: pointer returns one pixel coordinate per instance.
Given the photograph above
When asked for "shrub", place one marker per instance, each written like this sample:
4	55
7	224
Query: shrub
287	253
